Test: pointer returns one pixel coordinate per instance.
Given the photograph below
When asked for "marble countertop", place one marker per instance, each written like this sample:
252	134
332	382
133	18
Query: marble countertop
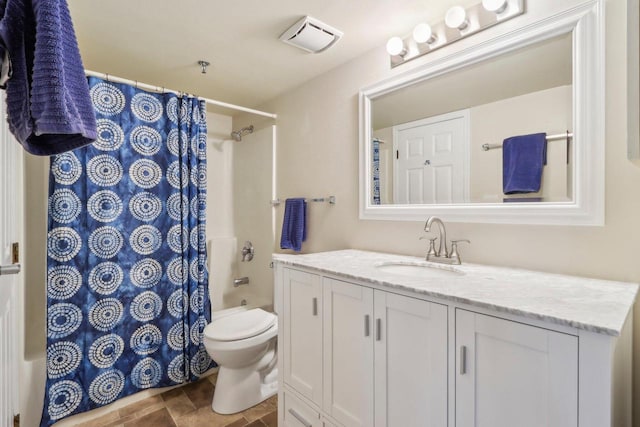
599	306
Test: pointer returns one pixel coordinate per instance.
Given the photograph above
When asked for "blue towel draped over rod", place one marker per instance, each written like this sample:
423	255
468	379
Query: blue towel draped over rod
523	159
294	224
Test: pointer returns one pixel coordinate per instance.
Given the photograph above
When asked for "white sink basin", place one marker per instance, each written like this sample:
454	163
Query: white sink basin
418	270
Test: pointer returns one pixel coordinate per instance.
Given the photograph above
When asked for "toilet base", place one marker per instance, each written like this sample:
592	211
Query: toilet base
239	389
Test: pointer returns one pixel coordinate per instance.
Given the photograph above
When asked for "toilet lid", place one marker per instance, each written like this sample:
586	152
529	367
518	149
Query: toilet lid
239	326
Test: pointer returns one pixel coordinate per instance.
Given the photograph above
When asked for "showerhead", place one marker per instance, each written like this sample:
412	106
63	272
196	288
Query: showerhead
237	134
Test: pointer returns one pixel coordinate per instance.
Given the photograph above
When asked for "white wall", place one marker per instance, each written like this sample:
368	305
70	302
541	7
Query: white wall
35	262
33	369
318	154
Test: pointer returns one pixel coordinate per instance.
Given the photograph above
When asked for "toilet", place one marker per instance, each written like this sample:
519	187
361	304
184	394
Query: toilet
242	341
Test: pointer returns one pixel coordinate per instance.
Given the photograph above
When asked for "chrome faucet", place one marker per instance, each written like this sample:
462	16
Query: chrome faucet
442	255
442	236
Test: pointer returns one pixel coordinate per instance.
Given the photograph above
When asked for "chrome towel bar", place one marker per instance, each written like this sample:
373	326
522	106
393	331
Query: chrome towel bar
568	135
330	199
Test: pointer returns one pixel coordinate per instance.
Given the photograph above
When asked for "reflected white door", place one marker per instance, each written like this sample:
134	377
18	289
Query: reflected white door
10	231
432	158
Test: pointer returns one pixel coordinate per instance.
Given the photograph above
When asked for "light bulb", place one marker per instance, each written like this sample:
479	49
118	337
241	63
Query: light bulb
495	6
422	33
395	46
456	17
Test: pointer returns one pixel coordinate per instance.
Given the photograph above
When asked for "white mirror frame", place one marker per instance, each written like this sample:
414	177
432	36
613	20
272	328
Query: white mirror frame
587	208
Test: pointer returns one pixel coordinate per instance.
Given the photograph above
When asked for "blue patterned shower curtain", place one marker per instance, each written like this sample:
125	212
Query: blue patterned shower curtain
127	279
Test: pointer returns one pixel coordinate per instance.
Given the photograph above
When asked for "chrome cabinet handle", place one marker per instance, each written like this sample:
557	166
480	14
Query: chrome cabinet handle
315	306
300	418
463	360
9	269
366	325
378	329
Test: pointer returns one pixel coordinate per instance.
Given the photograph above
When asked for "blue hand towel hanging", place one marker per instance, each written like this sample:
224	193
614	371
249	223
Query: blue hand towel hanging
523	158
294	227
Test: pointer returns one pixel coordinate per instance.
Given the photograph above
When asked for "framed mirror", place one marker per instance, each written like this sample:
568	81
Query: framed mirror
431	140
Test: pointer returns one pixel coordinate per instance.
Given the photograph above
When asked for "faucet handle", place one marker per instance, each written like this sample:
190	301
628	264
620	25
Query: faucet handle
454	250
453	242
247	251
432	247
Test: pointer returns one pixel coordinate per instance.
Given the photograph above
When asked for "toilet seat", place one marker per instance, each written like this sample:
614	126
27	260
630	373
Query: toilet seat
240	326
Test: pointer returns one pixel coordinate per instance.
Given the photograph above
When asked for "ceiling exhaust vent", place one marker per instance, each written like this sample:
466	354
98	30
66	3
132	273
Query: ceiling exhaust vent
311	35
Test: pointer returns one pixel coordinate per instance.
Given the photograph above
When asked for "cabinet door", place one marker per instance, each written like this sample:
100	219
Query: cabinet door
348	352
510	374
410	362
303	333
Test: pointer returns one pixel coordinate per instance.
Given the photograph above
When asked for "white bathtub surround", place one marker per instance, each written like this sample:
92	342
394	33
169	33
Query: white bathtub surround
369	336
222	270
594	305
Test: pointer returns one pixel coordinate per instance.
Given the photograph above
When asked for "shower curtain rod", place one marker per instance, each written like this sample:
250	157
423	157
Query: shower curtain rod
160	89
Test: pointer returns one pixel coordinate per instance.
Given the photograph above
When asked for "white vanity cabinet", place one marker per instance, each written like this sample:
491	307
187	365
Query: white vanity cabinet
487	347
510	374
383	358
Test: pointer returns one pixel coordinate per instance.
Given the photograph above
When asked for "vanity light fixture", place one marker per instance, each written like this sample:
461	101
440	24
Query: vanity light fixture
456	17
422	33
495	6
458	23
396	47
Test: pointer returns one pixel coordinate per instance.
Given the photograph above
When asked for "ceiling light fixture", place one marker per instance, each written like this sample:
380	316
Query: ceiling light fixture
458	23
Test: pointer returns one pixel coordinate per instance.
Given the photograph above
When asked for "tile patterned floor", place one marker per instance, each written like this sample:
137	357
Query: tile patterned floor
187	406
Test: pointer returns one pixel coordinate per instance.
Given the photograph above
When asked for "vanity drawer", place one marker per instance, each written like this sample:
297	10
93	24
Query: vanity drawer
299	414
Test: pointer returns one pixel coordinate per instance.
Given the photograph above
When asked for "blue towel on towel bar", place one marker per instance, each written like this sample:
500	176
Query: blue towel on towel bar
294	226
523	158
